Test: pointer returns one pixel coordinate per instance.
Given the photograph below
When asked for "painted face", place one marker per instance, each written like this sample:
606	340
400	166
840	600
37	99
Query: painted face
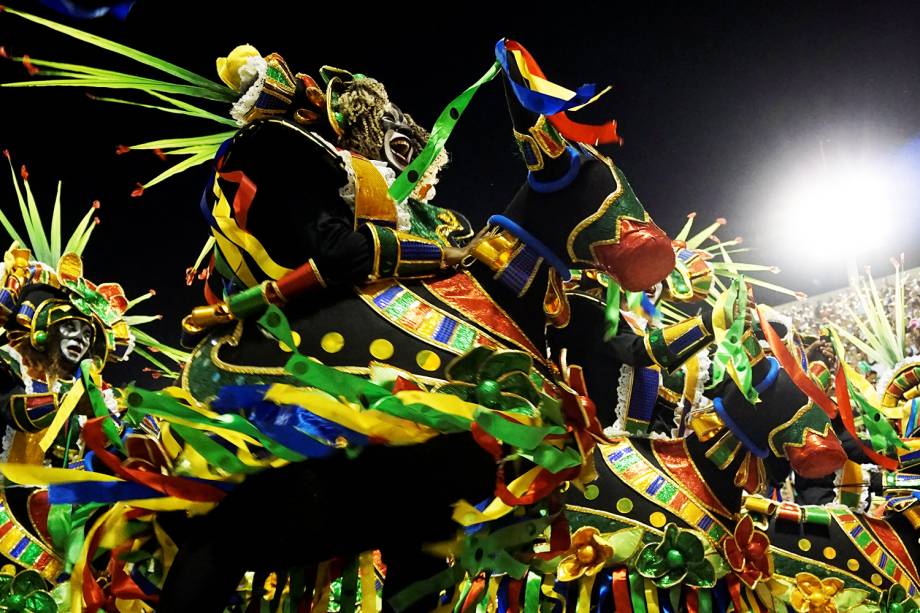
400	142
76	338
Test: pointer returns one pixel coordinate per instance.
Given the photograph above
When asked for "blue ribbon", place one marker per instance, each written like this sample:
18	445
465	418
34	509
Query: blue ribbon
533	242
648	306
605	591
721	596
912	420
118	10
738	432
770	379
537	102
548	187
292	426
502	595
82	492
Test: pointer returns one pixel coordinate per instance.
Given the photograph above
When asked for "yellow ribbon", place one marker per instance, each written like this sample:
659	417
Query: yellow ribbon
244	240
31	474
167	546
585	586
68	404
368	582
541	85
651	597
466	514
395	430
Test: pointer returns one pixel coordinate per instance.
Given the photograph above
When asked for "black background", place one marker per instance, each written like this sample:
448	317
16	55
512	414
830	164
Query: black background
715	103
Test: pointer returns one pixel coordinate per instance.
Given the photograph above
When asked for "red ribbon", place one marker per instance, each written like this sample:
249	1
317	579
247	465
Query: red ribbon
621	600
92	593
244	195
794	369
514	595
579	132
734	589
693	604
846	415
541	487
185	489
123	586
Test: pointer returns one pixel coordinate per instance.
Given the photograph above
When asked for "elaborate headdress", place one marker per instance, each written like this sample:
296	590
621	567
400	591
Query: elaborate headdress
35	295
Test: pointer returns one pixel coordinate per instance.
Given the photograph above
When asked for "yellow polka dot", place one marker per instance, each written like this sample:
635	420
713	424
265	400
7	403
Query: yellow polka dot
332	342
657	519
876	579
830	553
804	544
284	346
853	564
624	505
428	360
382	349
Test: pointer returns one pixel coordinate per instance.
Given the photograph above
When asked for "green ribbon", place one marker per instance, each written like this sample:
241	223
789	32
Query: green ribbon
441	131
109	427
213	452
142	401
882	435
65	524
637	591
730	349
612	309
703	600
532	593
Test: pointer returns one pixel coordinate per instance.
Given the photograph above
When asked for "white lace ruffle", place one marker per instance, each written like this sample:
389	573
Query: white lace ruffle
624	387
7	444
252	77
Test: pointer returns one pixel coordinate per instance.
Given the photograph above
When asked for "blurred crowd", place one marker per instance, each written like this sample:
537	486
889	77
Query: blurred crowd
839	307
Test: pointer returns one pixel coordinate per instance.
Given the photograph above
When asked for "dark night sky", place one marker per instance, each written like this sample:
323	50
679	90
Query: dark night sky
716	105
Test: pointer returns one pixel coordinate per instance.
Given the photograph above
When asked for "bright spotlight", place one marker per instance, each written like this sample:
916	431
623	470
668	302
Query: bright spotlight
839	211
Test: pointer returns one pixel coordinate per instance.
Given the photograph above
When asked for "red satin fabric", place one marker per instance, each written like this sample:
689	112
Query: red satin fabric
818	456
734	591
514	596
641	258
621	599
893	544
460	292
673	456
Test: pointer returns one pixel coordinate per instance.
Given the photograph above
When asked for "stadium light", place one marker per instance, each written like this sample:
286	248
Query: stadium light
838	211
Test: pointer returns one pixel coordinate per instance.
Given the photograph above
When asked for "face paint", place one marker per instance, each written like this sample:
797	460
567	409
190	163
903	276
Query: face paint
399	143
76	338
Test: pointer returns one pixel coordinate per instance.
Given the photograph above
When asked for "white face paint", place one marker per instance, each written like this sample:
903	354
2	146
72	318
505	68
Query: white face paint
76	337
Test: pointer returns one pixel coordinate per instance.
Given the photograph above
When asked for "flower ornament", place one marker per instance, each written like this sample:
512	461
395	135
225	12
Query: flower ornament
813	595
896	600
747	551
680	557
589	553
494	379
25	592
